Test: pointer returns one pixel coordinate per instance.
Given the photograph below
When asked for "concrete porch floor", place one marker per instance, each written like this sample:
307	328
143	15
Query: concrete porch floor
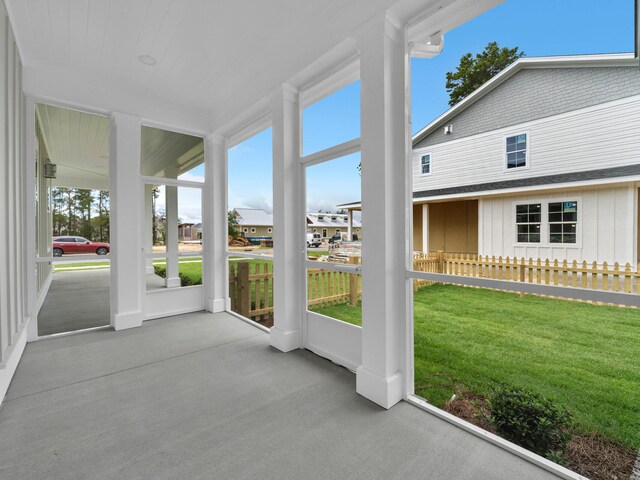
204	396
76	300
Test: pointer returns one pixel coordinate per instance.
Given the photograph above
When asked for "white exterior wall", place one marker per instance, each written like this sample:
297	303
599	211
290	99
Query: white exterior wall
18	250
605	227
601	136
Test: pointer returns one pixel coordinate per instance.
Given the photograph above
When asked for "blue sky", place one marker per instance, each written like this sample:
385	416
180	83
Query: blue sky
539	28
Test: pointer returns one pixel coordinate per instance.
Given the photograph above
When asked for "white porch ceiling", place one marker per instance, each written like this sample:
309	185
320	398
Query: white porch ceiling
216	59
210	53
78	143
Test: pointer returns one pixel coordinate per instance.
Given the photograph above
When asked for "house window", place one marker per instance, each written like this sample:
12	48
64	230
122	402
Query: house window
324	232
245	230
253	230
425	164
269	230
517	151
563	218
528	222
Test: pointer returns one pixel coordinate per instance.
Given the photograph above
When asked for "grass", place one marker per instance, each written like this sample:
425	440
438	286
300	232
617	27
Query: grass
61	266
584	357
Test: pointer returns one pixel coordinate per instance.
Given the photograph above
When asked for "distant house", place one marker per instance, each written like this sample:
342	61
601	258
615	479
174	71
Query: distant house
542	161
189	232
254	222
328	224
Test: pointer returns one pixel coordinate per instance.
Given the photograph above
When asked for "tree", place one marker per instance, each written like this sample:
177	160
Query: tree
472	72
84	202
232	220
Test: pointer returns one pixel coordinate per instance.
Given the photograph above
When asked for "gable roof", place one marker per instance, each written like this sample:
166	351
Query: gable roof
573	61
255	217
331	220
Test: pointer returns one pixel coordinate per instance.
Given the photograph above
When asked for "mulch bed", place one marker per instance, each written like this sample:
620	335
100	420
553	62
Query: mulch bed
590	455
599	458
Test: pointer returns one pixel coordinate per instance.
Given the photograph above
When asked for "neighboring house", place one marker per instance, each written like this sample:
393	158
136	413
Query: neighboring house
328	224
189	232
254	222
542	161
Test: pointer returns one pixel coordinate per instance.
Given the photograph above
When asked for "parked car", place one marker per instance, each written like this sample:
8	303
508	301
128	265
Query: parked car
62	245
313	240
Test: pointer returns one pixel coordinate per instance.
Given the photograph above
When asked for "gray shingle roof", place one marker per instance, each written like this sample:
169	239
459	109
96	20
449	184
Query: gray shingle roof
254	216
535	181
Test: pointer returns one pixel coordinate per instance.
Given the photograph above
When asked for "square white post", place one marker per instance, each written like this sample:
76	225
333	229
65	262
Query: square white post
126	217
214	234
425	228
172	279
289	284
384	202
349	225
148	226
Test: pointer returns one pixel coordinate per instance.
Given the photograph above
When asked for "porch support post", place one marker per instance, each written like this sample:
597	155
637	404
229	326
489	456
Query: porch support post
148	226
127	204
288	222
31	229
425	228
214	234
382	47
349	225
172	279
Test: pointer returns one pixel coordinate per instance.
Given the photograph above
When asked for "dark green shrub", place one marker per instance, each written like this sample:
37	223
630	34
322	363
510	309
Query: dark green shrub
187	281
529	420
160	271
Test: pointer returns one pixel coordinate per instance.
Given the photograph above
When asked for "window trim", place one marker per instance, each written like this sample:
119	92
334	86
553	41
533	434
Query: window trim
549	223
541	223
544	227
527	152
420	156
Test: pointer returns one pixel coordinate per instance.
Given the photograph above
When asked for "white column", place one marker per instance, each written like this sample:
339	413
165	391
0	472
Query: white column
172	279
349	225
288	222
148	226
384	203
127	203
214	224
30	215
425	228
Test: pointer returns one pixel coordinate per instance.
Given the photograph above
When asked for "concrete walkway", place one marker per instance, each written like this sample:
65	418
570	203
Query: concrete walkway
203	396
76	300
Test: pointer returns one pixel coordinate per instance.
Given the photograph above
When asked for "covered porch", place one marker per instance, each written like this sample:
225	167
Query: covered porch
204	395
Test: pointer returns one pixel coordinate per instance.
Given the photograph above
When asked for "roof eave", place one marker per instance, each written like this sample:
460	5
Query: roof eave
608	60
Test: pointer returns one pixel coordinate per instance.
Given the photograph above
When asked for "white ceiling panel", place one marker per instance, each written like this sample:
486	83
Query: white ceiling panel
208	52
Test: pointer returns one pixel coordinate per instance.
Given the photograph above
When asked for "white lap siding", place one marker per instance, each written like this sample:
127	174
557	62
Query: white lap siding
606	227
598	137
13	298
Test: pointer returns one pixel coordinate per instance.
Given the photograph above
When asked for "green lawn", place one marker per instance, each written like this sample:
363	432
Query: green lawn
585	357
61	266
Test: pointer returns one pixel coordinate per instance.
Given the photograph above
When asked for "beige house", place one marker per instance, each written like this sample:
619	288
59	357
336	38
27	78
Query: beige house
254	222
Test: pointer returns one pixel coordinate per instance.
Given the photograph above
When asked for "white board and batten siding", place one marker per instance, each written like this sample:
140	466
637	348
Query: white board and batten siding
605	226
596	137
13	171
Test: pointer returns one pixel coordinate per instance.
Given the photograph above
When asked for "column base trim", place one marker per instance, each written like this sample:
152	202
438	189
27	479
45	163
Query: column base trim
285	341
385	391
122	321
216	305
172	282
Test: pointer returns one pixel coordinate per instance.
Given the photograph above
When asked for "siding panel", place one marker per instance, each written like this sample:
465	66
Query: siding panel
598	137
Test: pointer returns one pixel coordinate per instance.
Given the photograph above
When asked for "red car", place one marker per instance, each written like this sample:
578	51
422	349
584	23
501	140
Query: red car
78	245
